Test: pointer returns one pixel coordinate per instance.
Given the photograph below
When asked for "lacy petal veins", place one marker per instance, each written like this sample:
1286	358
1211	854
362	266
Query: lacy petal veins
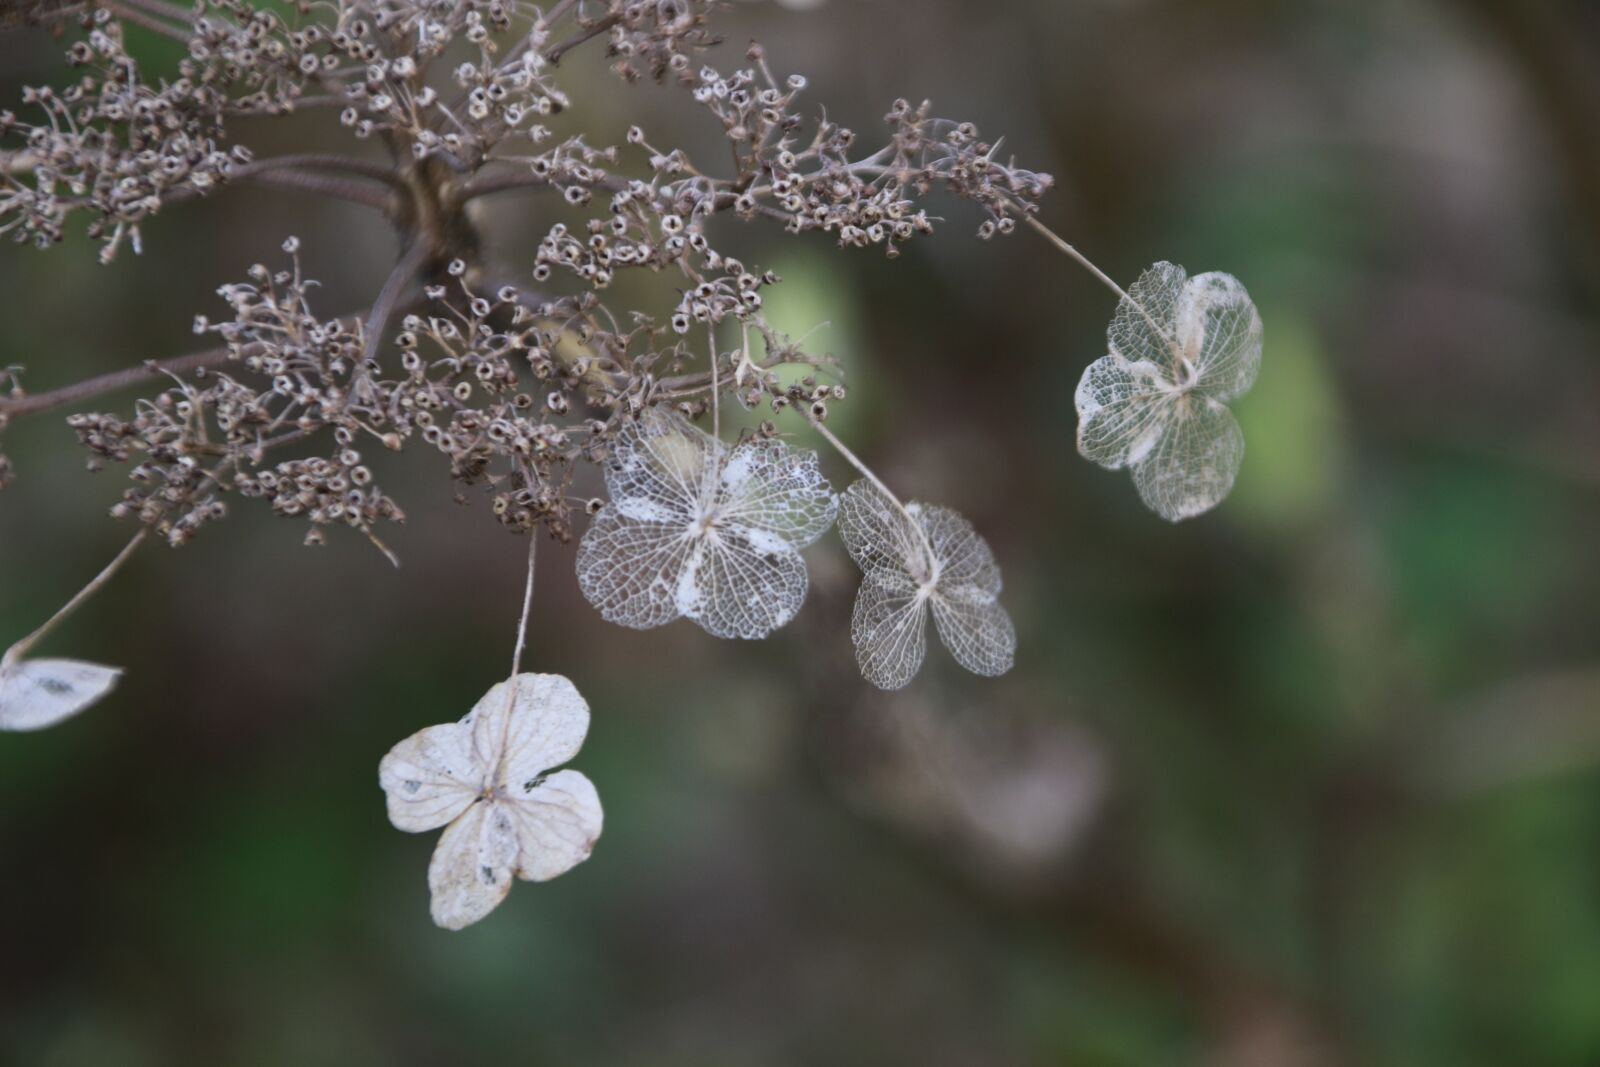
36	693
1180	349
703	531
912	561
484	780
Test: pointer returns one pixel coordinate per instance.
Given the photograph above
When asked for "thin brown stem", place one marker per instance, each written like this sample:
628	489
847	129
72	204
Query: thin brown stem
107	383
601	26
22	647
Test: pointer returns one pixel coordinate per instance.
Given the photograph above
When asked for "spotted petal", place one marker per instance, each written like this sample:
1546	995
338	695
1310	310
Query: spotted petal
527	725
473	865
37	693
558	821
431	777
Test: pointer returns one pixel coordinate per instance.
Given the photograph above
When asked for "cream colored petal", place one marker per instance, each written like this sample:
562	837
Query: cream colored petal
1123	409
558	821
1193	467
888	628
768	486
429	778
976	629
1142	329
659	468
878	535
630	569
744	585
965	558
37	693
473	865
1218	322
527	725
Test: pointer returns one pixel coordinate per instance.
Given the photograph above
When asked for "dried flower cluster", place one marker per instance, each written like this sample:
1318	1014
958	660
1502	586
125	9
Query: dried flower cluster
520	375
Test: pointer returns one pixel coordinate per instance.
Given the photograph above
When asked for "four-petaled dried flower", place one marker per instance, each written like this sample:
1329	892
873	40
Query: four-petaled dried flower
703	531
914	559
485	777
1180	349
36	693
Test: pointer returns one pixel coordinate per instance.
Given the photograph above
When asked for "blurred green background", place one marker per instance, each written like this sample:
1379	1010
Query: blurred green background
1310	780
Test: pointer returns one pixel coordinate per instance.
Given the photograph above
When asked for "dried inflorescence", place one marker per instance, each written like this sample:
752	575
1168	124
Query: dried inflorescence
519	375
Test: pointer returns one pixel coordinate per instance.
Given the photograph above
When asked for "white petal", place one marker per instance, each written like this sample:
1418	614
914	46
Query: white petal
36	693
429	778
976	629
1122	410
630	569
1218	323
768	486
888	627
473	865
878	535
742	589
523	727
1193	467
558	821
965	558
1143	328
662	468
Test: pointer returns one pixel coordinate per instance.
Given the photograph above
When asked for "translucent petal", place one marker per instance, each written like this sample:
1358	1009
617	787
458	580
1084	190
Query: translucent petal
431	777
662	468
975	628
1142	330
36	693
558	822
1194	463
965	558
1122	408
877	535
744	587
766	485
630	569
523	727
888	627
473	865
1220	331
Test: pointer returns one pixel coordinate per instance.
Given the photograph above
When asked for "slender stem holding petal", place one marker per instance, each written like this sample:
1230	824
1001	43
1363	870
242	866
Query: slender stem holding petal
716	387
855	461
527	605
22	647
1083	260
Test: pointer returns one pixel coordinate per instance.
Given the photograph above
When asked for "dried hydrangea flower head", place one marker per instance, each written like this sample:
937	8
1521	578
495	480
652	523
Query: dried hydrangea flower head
915	559
1181	348
484	779
703	531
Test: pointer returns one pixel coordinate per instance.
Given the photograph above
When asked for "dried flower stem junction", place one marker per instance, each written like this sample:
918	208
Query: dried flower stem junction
518	375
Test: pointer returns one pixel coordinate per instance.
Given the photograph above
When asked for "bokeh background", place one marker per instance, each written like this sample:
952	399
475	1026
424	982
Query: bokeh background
1311	780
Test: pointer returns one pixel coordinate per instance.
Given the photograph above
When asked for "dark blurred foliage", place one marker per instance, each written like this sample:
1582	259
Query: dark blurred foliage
1310	780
